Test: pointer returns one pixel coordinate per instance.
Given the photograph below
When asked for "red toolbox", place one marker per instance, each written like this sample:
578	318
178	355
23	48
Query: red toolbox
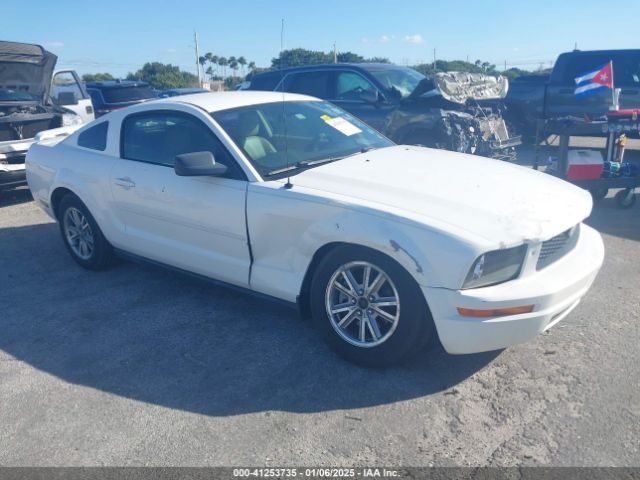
584	165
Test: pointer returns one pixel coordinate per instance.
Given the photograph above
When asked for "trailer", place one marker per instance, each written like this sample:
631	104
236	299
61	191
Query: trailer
615	124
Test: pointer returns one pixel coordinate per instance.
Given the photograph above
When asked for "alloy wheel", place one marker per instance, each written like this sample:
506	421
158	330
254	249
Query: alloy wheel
363	304
78	233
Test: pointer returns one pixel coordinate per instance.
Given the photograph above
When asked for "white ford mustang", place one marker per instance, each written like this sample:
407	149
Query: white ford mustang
292	198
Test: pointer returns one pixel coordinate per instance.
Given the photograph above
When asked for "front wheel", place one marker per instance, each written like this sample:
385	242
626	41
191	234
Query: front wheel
368	307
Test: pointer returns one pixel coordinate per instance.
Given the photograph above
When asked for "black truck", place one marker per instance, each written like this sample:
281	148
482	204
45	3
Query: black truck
544	97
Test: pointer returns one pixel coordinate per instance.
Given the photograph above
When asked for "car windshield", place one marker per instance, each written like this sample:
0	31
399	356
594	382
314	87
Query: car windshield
400	81
16	96
286	137
127	94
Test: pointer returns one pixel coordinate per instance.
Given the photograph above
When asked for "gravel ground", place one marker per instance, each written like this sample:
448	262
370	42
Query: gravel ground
141	366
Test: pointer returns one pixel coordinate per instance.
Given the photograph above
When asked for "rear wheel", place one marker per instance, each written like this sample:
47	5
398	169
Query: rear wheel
82	236
368	307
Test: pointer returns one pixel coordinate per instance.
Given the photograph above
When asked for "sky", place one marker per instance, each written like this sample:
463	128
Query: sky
120	36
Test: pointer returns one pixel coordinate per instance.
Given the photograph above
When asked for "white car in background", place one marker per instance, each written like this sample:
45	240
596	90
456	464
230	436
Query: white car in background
35	103
291	197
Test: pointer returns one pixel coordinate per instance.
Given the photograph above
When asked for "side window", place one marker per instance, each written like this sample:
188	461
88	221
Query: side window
350	85
626	70
65	89
95	137
580	64
315	84
158	137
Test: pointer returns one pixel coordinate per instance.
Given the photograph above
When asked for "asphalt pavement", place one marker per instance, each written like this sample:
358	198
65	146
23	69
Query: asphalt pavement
142	366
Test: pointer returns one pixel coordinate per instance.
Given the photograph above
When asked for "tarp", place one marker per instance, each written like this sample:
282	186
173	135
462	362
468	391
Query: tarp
26	67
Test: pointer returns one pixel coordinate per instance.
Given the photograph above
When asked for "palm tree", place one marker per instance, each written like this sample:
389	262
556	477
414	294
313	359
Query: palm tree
223	62
242	62
201	60
232	60
252	66
234	66
210	72
214	62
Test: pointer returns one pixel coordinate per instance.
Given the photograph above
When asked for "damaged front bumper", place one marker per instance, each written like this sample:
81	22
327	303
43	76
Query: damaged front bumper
554	292
12	167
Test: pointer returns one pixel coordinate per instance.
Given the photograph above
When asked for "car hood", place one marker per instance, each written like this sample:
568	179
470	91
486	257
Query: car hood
503	203
459	87
29	67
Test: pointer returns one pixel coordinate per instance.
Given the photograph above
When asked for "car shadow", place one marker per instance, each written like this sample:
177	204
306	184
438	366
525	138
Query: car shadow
152	335
15	196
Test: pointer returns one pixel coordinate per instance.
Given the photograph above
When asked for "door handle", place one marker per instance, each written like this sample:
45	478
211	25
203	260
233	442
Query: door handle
566	90
628	92
125	182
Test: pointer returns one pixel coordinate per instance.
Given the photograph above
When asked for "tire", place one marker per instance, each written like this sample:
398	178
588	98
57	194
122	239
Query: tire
74	217
402	328
623	200
599	193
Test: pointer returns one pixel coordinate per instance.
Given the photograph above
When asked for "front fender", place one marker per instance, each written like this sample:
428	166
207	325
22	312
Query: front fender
287	228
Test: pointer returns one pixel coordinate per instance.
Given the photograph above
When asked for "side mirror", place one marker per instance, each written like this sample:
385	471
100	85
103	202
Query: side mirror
198	164
369	96
67	98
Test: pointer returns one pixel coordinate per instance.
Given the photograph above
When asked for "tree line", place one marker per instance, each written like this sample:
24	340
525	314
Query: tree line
165	76
217	65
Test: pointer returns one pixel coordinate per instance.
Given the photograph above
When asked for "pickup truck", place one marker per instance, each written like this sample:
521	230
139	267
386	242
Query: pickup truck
35	102
535	97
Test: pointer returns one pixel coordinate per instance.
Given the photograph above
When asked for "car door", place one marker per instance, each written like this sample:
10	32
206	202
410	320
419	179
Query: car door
354	93
68	92
193	223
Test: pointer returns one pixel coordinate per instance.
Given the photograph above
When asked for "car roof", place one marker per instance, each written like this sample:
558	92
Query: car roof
116	84
216	101
331	66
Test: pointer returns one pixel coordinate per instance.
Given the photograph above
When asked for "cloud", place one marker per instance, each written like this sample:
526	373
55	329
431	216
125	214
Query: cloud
171	50
385	38
54	44
414	39
365	40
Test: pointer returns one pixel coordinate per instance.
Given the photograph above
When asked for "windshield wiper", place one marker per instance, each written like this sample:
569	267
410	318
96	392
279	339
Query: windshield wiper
313	163
333	159
288	168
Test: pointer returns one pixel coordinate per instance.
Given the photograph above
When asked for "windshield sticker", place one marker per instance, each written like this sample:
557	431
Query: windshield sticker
343	126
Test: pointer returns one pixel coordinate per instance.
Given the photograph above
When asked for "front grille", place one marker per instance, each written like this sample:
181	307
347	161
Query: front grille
557	247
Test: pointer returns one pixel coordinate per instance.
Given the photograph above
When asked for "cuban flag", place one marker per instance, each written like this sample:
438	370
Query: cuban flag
595	81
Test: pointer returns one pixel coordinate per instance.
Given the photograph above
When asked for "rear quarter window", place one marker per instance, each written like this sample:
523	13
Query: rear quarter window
95	137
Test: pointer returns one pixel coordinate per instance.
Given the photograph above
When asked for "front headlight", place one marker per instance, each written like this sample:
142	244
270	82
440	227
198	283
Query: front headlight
69	119
495	267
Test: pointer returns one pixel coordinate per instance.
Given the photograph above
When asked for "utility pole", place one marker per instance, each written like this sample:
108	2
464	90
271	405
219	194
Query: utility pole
335	53
505	65
195	35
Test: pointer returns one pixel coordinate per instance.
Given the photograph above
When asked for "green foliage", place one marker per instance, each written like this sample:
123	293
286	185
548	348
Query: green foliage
377	60
350	57
302	56
164	76
96	77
